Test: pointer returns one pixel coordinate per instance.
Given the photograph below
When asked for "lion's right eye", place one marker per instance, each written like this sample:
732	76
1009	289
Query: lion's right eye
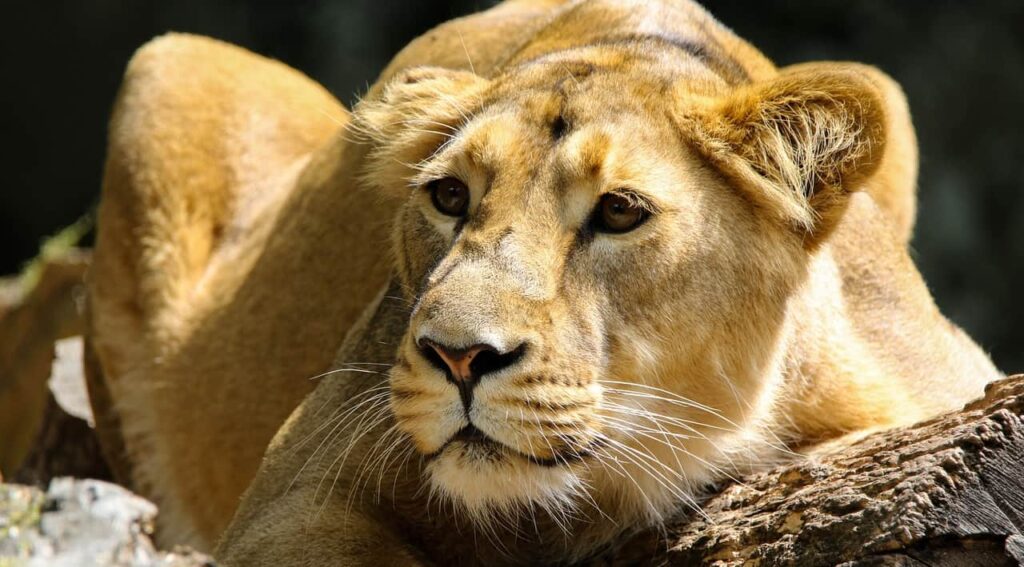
617	212
450	196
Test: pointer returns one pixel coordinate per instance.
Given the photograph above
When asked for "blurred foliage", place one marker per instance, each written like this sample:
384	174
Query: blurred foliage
53	248
961	63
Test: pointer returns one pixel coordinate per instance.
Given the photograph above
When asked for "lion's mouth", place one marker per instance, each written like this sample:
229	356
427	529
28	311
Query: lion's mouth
472	436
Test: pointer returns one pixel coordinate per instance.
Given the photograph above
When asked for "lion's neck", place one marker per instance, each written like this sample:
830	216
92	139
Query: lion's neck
834	383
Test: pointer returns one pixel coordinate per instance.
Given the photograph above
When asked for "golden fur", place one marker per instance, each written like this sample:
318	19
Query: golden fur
219	162
767	303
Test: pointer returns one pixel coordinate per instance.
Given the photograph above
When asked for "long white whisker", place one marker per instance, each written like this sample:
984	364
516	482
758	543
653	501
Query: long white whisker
626	426
337	370
363	426
339	421
647	465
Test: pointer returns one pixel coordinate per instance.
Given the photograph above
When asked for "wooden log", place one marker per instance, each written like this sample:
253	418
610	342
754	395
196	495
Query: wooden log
949	491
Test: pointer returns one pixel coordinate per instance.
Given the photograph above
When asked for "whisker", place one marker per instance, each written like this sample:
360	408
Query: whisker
363	427
659	419
623	425
328	439
688	424
674	398
647	465
337	370
378	392
466	51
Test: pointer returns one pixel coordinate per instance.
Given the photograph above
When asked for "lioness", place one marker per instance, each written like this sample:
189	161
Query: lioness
628	258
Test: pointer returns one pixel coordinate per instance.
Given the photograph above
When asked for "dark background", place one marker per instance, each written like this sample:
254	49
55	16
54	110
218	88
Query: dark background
961	63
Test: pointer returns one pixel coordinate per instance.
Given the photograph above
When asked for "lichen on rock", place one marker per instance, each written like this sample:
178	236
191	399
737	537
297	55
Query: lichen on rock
82	523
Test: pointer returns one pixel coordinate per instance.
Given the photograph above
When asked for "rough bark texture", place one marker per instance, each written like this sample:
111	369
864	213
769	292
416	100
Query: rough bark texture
947	492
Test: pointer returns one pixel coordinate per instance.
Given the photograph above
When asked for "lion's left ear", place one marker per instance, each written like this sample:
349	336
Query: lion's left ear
416	111
798	143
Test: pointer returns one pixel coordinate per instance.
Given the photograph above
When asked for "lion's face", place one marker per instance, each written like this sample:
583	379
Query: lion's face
595	304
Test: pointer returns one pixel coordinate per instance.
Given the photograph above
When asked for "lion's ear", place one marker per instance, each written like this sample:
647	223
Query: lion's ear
416	111
798	143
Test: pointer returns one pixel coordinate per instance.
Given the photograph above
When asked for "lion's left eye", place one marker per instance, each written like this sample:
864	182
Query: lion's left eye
450	196
618	213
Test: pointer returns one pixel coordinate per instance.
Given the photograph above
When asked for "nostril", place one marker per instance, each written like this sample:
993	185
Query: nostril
430	353
490	360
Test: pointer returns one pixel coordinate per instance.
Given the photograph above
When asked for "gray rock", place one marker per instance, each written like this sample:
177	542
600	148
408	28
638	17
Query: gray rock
82	523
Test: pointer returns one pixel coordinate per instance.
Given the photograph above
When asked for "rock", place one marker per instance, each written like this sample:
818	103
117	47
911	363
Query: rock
82	523
67	379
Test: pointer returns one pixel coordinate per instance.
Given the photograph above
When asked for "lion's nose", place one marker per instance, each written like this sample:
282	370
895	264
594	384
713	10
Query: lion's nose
466	366
469	364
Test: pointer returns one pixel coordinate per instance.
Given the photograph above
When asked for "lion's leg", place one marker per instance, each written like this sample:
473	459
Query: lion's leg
232	255
290	530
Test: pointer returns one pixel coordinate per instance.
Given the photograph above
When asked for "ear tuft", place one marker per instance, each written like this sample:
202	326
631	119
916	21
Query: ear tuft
414	114
799	143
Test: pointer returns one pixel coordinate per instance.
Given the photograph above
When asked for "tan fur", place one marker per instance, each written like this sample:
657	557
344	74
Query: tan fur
767	303
218	161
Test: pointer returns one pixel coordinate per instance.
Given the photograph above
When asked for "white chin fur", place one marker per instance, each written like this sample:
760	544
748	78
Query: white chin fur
486	484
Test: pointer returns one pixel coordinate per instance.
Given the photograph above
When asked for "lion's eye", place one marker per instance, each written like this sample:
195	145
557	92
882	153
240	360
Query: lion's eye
618	213
450	196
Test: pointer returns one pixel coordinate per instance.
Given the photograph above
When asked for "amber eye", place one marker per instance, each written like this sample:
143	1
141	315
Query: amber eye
450	196
618	213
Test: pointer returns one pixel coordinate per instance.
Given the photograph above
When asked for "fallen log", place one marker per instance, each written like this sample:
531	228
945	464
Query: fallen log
946	492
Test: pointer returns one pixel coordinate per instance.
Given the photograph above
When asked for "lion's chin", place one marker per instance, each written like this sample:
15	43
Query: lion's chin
486	479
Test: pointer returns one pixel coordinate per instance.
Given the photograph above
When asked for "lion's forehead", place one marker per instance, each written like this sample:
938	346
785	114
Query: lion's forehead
546	142
545	93
649	62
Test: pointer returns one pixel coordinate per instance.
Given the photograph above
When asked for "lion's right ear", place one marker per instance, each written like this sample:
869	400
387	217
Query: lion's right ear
416	111
797	144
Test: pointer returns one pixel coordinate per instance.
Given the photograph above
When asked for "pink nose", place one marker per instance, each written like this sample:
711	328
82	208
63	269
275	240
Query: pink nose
458	361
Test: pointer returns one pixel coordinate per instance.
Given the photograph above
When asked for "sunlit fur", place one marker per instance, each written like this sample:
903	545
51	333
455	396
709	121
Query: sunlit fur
659	360
766	304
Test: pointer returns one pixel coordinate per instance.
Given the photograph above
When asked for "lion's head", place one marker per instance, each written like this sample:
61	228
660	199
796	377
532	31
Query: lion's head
599	245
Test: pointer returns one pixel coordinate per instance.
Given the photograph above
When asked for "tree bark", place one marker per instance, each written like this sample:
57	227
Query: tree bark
946	492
